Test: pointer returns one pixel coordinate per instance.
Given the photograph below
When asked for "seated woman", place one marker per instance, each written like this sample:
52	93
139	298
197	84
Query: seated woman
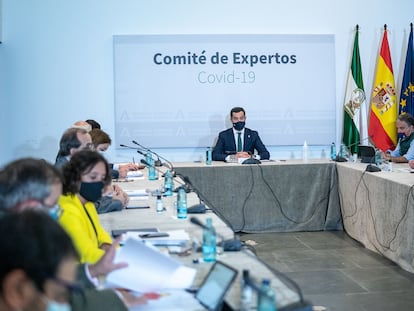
85	177
101	142
38	263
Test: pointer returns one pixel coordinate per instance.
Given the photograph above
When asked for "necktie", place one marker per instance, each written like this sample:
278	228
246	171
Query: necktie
239	142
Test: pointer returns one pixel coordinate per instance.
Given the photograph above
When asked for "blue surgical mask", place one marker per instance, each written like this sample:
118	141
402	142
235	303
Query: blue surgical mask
56	306
52	305
55	212
91	191
238	126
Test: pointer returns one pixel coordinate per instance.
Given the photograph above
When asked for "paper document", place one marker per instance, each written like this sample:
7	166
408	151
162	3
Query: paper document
148	269
175	237
135	174
137	193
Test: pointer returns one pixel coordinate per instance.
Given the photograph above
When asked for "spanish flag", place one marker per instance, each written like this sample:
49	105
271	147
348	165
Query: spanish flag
384	108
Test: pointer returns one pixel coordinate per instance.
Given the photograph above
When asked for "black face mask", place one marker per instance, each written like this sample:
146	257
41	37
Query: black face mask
91	191
238	126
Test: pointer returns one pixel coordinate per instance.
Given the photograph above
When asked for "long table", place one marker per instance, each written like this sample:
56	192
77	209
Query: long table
276	196
377	210
166	221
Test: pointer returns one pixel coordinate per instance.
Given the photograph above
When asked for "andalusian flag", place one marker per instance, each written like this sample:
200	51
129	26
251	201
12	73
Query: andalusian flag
407	86
355	112
384	109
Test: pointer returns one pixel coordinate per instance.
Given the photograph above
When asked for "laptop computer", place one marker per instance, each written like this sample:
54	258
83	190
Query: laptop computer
367	154
215	286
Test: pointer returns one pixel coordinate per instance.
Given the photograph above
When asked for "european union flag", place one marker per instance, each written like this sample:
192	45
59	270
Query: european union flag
407	86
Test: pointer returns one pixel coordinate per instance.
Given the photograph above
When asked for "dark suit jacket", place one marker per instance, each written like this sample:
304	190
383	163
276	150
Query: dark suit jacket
93	299
226	144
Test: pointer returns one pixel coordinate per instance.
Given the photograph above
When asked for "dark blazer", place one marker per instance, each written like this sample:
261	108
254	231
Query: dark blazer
92	299
226	144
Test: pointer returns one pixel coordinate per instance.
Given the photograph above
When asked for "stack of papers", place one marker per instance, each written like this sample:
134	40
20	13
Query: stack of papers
137	192
175	237
148	269
132	175
137	198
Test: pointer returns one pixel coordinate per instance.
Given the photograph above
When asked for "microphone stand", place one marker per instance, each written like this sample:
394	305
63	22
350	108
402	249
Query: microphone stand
343	159
251	160
133	148
158	161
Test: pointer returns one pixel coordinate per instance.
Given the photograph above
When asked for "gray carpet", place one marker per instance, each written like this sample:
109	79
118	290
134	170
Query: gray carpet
336	272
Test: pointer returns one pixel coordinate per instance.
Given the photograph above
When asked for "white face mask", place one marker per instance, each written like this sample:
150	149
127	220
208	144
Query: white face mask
52	305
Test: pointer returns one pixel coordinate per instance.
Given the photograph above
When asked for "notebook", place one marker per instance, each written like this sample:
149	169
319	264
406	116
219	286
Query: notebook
215	286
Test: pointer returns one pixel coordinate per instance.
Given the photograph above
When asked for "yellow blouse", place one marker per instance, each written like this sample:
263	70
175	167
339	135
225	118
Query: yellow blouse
86	231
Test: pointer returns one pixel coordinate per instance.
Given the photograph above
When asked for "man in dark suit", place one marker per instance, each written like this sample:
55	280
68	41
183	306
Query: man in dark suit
238	141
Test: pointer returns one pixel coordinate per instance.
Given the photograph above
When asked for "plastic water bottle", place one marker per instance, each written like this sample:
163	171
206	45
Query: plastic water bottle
159	204
343	152
305	152
152	173
378	157
168	184
209	156
333	151
246	292
149	160
209	242
181	204
266	300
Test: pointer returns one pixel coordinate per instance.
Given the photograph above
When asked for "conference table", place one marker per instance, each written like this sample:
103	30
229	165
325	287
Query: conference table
275	196
288	297
374	208
377	209
284	196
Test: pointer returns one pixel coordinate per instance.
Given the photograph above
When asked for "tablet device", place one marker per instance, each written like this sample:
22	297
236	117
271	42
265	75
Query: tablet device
215	286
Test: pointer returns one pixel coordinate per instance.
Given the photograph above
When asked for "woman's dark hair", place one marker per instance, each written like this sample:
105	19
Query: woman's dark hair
81	163
33	242
99	137
407	118
94	124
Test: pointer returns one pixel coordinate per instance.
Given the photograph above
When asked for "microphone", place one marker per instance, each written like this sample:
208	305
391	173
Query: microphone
158	161
129	147
302	303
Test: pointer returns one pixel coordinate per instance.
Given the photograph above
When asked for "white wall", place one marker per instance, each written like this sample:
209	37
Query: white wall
56	60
